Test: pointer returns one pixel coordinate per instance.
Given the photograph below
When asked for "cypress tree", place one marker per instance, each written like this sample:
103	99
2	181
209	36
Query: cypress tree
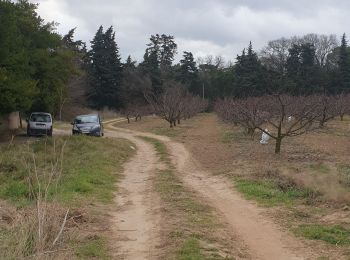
344	67
188	73
249	74
105	70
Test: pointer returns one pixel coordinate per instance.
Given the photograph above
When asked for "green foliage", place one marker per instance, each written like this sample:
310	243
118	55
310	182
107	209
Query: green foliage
303	74
105	70
34	69
158	59
336	235
249	74
187	73
344	66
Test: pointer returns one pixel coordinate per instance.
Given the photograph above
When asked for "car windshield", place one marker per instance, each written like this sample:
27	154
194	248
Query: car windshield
86	119
43	118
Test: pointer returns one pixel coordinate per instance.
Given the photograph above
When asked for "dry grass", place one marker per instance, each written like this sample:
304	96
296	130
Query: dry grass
54	201
307	185
190	227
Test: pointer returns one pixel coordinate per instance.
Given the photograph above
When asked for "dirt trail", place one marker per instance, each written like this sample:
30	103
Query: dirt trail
264	239
136	220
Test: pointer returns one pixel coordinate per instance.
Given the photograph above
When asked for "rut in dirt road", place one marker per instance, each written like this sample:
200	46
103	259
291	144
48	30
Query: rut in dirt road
264	239
136	220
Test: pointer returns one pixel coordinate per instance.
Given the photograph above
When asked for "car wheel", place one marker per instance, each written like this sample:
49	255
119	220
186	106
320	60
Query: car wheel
28	132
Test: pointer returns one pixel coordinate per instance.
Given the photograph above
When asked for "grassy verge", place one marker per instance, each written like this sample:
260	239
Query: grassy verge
76	173
302	206
191	236
332	234
269	193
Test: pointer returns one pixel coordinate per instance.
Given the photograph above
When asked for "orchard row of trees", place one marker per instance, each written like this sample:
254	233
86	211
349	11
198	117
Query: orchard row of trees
285	114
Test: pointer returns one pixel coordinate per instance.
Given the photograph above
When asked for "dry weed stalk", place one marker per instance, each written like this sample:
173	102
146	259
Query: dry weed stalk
48	223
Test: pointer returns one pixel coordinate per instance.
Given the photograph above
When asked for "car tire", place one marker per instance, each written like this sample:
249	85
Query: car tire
28	132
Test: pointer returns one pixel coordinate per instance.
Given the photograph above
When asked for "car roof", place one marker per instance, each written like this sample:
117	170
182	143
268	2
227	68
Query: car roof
41	113
87	115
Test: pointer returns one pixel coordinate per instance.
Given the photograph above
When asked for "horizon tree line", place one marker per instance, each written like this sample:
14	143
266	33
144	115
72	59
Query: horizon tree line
35	72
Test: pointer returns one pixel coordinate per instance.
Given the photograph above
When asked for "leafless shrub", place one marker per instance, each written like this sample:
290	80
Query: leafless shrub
136	111
175	103
245	112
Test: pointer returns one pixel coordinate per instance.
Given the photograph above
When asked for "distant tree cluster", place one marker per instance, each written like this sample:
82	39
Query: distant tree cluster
36	65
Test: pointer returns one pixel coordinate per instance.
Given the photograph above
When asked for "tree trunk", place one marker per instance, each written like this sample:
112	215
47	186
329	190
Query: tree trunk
279	139
321	124
278	145
178	121
20	120
341	117
128	120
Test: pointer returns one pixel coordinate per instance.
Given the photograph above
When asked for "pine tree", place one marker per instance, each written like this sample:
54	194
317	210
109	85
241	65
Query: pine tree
303	72
68	41
344	66
249	74
105	70
129	64
188	73
150	67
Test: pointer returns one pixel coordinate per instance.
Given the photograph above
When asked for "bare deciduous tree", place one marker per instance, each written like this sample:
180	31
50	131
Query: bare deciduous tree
342	105
175	103
327	108
286	115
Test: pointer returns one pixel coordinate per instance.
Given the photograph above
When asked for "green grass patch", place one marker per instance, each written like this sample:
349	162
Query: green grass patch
94	247
269	193
191	250
336	235
86	169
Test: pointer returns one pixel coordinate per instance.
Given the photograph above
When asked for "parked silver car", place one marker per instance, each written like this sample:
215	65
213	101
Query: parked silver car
39	123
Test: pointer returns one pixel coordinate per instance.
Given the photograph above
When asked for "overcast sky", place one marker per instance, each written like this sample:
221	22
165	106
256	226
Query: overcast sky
216	27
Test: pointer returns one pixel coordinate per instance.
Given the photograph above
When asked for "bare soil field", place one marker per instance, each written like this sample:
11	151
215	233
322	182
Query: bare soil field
305	189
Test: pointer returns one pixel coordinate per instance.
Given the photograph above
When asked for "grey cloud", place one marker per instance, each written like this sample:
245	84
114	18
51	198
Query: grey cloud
202	26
